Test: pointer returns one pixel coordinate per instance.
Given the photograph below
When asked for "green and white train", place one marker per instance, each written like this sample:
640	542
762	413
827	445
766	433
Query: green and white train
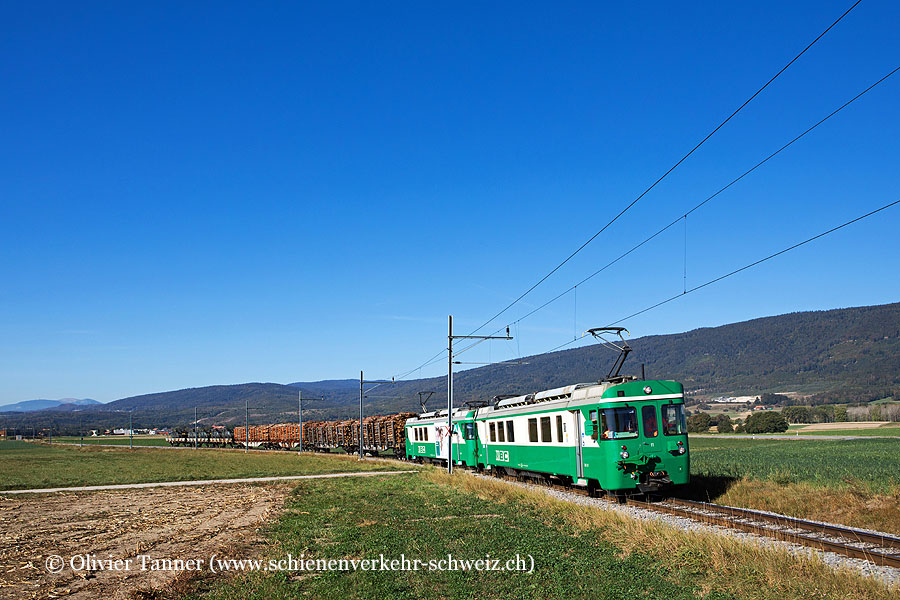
620	435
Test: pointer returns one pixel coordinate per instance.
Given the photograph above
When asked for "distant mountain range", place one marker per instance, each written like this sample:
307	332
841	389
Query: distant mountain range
61	404
842	355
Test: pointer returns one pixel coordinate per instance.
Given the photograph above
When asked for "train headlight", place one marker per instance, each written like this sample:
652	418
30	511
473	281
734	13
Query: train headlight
624	453
681	449
648	390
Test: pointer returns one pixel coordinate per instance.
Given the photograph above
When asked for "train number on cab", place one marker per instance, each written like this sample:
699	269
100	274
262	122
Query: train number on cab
502	455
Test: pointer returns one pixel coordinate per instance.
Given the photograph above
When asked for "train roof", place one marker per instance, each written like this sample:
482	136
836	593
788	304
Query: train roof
570	393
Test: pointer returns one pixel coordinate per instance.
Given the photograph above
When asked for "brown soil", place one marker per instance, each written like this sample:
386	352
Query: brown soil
163	523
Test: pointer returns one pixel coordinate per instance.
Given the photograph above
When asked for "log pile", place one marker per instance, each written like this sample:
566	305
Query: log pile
381	433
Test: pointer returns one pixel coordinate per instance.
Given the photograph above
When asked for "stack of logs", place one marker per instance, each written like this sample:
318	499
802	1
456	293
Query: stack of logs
380	433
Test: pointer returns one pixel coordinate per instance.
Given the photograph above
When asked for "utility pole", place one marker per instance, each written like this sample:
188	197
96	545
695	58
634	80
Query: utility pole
195	428
130	432
362	382
450	362
246	425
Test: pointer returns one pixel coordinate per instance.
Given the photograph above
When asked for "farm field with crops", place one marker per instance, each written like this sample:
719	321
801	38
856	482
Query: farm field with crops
853	482
892	430
874	463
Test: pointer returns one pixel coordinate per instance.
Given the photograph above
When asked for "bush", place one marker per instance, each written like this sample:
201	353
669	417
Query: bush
766	422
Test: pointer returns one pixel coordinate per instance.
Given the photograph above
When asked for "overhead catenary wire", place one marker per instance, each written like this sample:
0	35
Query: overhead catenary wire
672	168
736	271
684	215
442	352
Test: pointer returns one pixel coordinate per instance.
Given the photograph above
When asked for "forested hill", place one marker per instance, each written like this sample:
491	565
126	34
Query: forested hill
848	354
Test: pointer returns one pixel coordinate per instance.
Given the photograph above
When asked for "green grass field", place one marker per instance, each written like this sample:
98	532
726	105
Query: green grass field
410	516
119	440
28	465
890	431
874	463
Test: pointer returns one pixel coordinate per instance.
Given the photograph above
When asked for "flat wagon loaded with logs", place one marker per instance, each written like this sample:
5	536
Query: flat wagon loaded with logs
384	434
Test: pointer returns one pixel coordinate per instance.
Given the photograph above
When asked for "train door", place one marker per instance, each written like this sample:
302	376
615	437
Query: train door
589	422
579	443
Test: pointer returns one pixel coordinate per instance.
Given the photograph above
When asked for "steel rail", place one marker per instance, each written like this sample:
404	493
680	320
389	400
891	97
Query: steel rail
722	519
878	539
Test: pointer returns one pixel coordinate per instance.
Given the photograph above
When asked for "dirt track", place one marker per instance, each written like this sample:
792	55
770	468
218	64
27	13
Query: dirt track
163	523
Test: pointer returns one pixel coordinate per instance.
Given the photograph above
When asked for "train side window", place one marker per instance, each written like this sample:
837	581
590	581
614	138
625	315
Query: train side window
596	426
501	437
648	416
425	429
470	431
510	434
532	430
493	433
545	430
559	431
416	434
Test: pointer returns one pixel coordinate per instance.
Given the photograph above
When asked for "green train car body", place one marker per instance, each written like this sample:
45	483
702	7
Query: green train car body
621	435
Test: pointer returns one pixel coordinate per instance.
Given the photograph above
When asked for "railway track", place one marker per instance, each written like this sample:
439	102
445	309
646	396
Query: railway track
880	549
883	550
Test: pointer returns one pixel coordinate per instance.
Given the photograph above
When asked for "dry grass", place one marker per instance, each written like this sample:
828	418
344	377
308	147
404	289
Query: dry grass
719	562
854	504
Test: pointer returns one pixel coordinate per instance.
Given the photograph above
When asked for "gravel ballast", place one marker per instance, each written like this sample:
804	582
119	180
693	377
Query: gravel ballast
888	575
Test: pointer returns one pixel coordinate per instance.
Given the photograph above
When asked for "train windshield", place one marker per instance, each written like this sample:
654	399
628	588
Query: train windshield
673	419
618	423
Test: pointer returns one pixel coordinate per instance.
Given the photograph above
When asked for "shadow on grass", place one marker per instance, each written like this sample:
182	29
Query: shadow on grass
704	488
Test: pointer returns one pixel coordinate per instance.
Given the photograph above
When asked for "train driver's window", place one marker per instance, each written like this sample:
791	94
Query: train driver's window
618	423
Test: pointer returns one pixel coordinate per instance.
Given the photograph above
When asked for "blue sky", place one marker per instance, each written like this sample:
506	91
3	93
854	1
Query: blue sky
197	194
